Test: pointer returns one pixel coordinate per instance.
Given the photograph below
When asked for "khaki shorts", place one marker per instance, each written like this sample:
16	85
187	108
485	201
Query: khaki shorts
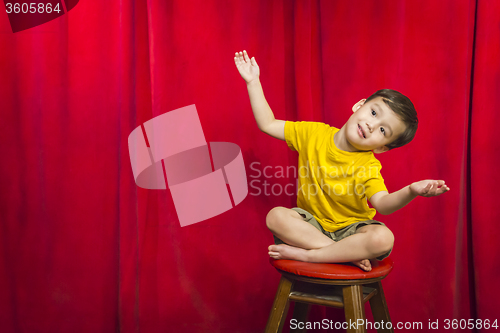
336	235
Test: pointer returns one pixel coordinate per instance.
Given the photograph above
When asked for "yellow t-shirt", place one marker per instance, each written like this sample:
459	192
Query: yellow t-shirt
334	185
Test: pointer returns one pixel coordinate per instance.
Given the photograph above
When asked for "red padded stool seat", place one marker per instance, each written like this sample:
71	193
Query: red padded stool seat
336	285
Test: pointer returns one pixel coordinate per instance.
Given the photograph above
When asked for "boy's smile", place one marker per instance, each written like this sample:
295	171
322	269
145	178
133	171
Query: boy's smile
372	126
361	132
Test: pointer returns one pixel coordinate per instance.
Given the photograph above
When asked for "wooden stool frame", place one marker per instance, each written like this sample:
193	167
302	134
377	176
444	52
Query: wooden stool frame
305	290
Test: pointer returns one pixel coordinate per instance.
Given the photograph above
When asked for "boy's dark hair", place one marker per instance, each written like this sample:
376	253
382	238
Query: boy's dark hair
404	109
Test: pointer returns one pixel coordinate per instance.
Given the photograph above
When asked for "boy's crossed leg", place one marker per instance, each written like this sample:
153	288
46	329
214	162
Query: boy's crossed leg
311	245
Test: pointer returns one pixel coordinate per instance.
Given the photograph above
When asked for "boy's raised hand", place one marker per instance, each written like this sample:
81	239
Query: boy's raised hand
429	188
248	68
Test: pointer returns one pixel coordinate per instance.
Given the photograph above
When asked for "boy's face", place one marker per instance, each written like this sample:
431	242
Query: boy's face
373	125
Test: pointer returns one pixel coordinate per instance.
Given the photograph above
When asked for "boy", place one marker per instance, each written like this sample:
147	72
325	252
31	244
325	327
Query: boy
334	222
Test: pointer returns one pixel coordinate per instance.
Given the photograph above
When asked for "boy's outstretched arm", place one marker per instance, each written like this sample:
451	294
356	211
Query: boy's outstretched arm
249	71
386	203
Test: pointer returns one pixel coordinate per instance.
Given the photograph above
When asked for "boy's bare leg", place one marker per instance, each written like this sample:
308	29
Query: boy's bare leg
288	225
369	242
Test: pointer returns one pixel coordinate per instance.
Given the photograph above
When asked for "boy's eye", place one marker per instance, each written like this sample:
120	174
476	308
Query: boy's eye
383	130
373	112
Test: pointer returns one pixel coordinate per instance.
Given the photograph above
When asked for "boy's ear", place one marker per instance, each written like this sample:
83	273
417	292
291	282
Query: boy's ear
380	150
358	105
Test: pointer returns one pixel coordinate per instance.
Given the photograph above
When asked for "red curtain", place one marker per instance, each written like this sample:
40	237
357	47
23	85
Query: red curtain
83	249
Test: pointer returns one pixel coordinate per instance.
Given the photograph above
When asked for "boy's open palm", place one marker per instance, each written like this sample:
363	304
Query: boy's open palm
429	188
248	68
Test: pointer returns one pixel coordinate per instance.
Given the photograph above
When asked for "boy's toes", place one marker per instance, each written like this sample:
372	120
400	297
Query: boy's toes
274	255
367	265
364	264
274	251
272	247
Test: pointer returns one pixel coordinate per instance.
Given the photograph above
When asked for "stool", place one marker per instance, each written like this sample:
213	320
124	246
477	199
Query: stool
335	285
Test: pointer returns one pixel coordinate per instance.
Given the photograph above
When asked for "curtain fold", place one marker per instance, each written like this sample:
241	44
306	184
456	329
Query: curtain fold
84	249
484	119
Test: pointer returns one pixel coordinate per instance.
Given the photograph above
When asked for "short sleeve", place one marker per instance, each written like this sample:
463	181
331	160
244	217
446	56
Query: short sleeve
298	134
374	182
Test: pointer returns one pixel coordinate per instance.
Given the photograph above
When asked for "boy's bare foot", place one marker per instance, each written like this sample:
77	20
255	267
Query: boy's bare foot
284	251
364	264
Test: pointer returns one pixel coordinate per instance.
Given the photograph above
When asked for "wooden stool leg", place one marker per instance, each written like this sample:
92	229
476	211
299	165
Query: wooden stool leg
379	307
354	308
280	307
301	313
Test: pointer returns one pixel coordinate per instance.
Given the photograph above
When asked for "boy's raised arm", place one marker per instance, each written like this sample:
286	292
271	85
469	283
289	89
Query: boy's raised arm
249	71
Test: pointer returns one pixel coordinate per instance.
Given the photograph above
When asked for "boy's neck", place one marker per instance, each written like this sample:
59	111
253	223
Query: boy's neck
340	141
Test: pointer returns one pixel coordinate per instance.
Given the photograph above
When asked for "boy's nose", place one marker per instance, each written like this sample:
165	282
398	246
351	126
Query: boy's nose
369	127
